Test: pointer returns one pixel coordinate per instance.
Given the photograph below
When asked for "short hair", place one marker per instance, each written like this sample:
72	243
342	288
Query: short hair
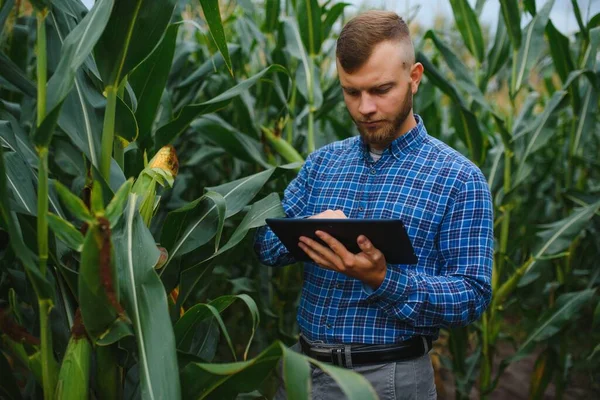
362	33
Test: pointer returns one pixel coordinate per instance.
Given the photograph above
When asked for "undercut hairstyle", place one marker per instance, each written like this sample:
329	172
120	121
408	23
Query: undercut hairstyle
362	33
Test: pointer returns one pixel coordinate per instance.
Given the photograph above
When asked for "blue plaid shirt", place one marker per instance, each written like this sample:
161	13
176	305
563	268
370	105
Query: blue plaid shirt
445	204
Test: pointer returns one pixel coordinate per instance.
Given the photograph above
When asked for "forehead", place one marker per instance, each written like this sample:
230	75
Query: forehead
386	63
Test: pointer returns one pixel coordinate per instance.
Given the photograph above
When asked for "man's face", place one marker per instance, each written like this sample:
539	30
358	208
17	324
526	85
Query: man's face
379	94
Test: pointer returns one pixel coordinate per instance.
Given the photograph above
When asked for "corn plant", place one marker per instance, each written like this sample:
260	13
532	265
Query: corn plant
536	148
108	250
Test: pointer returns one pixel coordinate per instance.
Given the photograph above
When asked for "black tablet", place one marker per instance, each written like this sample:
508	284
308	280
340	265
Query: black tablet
387	235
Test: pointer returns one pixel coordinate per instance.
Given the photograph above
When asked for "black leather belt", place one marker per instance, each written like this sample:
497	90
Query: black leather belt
348	356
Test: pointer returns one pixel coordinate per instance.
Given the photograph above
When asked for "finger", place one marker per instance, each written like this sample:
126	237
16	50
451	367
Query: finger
325	252
316	257
338	248
368	249
340	213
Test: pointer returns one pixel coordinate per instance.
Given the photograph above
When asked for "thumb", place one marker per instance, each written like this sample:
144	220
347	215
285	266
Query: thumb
365	245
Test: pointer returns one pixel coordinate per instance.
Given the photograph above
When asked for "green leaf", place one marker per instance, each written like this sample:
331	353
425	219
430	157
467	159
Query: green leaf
235	143
66	232
168	132
193	225
499	53
332	16
296	374
126	125
539	136
467	129
311	87
532	45
468	26
97	200
459	70
213	19
134	29
564	311
225	381
145	300
308	14
272	11
98	286
560	51
114	210
13	74
530	6
577	13
557	236
512	21
269	207
18	177
74	375
5	12
186	326
587	115
188	323
73	203
589	61
213	64
149	79
75	49
14	137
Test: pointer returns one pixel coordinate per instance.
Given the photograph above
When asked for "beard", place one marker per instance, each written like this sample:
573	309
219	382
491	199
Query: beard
388	129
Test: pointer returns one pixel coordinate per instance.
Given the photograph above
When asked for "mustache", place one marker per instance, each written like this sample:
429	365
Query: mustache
367	121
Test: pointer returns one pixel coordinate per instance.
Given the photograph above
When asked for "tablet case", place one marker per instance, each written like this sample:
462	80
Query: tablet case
387	235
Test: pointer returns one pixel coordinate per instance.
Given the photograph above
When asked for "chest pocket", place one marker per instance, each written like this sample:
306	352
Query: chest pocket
422	226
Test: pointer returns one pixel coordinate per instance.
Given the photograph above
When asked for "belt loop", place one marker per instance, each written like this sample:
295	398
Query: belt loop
425	345
336	357
348	353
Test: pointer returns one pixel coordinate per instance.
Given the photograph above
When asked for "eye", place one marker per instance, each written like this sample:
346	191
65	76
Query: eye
383	90
352	93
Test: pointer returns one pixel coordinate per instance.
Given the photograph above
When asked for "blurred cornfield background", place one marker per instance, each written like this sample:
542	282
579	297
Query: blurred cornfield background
142	142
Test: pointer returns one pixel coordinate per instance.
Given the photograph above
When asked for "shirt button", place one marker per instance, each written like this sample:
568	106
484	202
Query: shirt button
361	208
338	286
373	172
328	326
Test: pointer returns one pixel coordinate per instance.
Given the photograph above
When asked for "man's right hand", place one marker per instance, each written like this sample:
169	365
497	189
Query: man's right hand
330	214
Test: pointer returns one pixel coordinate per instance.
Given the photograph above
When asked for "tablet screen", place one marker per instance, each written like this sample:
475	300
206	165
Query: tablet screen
387	235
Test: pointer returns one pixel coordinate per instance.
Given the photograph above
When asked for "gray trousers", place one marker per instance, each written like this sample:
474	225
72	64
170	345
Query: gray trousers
410	380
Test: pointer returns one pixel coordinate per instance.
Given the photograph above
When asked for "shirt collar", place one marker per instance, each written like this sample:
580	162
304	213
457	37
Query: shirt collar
402	144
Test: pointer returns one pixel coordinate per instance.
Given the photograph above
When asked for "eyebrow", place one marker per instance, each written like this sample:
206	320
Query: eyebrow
380	86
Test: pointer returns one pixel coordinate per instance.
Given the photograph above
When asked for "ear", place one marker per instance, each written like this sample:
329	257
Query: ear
416	73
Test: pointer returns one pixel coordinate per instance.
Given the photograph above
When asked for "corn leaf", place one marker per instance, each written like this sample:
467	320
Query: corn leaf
127	41
215	25
145	301
148	81
469	28
567	306
269	207
308	14
66	232
75	49
170	131
532	45
512	21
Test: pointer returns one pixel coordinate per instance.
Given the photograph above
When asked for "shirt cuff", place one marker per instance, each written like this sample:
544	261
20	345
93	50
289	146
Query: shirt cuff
393	290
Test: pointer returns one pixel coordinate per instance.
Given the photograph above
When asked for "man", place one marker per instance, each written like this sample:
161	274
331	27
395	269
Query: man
358	310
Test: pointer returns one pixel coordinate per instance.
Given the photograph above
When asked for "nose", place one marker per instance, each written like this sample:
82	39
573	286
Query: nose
366	105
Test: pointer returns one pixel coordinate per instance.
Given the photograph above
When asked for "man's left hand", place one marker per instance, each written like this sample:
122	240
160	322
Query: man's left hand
369	266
